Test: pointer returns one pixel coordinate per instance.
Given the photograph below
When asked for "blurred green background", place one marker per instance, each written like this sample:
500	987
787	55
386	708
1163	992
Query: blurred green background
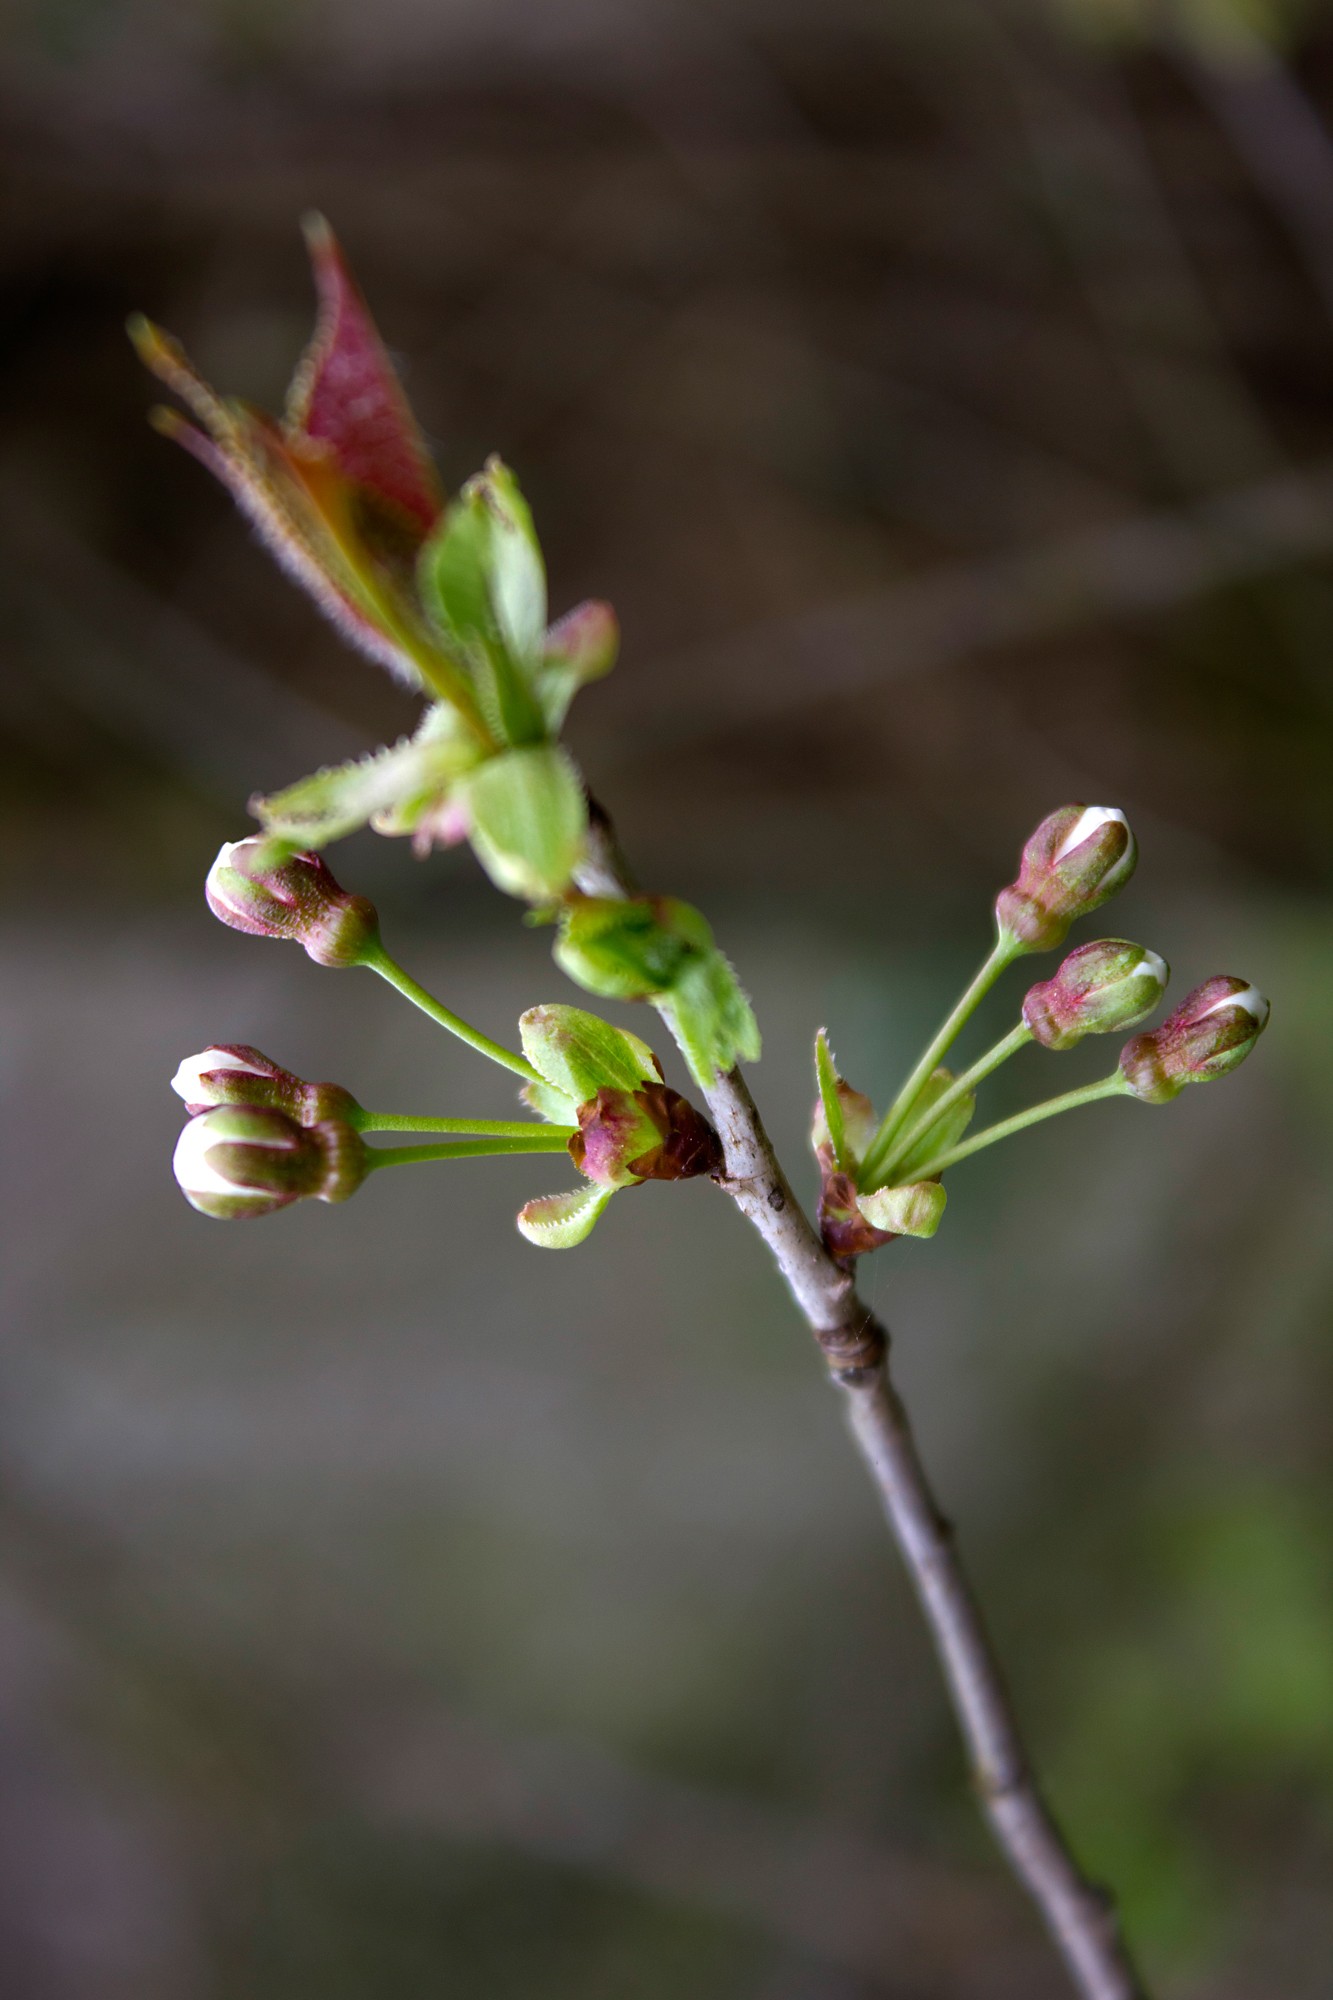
944	396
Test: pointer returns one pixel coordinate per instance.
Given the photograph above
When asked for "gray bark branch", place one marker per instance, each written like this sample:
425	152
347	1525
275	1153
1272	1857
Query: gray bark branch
1079	1916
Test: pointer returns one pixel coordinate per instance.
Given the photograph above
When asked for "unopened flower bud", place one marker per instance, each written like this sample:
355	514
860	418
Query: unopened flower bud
649	1134
1098	989
240	1160
234	1073
1212	1030
1076	859
294	898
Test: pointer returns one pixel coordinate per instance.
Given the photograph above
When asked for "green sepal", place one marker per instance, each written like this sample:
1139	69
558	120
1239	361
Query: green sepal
913	1210
580	647
711	1019
550	1103
528	819
579	1055
940	1137
482	580
559	1221
826	1076
396	786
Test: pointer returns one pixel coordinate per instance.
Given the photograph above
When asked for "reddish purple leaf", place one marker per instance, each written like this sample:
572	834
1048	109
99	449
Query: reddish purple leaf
346	395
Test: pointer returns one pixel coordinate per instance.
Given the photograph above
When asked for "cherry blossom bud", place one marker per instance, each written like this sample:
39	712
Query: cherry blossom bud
241	1160
294	898
1098	989
1076	859
234	1073
648	1134
1212	1030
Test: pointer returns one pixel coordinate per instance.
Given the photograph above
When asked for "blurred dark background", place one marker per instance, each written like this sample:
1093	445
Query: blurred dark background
944	395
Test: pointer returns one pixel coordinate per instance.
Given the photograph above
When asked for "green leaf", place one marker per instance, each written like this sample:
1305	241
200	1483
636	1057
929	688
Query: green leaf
905	1211
629	949
399	782
826	1076
660	949
711	1019
529	818
559	1221
482	580
941	1137
580	647
580	1055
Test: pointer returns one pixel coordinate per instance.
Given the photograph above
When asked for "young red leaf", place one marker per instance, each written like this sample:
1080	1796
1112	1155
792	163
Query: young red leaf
346	395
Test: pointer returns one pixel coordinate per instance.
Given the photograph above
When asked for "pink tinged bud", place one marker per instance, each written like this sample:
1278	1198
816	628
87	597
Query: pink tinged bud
235	1073
1099	989
1212	1030
578	648
242	1160
650	1134
296	898
1077	859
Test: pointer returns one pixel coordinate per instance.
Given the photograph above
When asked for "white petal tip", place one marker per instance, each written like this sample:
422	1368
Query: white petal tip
1089	821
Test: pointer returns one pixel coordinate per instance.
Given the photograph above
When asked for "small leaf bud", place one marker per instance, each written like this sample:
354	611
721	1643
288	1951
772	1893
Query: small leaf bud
844	1230
559	1221
1077	858
295	897
235	1073
1212	1030
913	1210
242	1160
1097	990
649	1134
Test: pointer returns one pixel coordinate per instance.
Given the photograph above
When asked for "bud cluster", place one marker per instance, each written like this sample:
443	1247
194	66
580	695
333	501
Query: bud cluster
631	1126
241	1160
878	1180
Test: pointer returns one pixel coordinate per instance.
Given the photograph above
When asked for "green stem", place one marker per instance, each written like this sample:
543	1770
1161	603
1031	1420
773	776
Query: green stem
495	1128
983	1067
403	983
1110	1086
549	1140
1001	954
